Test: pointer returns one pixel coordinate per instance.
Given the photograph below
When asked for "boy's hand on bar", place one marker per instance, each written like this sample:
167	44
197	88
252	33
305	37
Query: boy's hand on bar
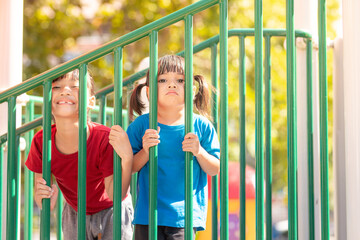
44	191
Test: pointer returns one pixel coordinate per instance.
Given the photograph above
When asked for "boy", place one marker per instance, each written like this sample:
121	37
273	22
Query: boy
64	164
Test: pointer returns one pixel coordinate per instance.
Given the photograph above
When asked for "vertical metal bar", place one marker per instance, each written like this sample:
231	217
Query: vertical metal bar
102	110
310	133
268	147
324	159
82	151
153	153
18	183
118	84
224	176
259	121
189	126
29	177
242	94
291	120
215	115
59	208
46	165
11	222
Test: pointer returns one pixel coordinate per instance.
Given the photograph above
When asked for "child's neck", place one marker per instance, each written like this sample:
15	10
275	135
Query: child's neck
171	117
67	135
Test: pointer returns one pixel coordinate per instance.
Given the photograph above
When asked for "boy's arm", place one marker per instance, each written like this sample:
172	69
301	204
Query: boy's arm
121	144
126	164
208	163
44	191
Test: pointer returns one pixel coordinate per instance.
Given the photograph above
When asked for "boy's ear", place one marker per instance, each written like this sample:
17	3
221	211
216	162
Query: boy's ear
91	102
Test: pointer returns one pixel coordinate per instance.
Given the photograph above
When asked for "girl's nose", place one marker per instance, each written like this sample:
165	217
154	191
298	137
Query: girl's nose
172	84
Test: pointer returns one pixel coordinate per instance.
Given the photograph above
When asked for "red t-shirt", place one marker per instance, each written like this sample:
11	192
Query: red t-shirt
65	167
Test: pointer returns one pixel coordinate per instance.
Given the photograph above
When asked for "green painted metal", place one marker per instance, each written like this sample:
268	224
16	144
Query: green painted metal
215	116
82	151
118	63
102	110
310	141
323	101
242	118
29	178
268	145
17	183
59	208
291	120
224	142
122	41
153	153
11	221
259	121
46	164
189	127
24	128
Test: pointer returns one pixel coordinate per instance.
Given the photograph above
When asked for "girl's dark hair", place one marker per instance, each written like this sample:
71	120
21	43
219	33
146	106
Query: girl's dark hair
75	76
172	63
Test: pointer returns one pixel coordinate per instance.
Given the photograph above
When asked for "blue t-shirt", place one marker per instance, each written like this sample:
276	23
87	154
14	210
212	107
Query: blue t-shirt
171	173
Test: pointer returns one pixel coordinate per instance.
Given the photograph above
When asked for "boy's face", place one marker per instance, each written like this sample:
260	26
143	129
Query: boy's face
65	98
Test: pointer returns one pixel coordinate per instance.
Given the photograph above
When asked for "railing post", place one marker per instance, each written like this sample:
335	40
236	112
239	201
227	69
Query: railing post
310	141
259	121
224	178
46	164
11	221
189	126
323	88
153	153
215	115
29	177
1	185
82	151
118	84
268	145
242	118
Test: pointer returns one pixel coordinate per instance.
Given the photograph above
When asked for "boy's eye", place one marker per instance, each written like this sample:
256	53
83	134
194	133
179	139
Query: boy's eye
55	87
74	86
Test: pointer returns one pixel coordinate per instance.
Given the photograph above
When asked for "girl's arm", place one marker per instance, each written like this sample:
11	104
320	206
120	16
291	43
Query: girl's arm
208	163
121	144
150	139
44	191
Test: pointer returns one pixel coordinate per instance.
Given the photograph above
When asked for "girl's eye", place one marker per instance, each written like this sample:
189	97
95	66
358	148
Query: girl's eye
161	80
180	80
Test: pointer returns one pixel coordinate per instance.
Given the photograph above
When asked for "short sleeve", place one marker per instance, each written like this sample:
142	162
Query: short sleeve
34	159
209	139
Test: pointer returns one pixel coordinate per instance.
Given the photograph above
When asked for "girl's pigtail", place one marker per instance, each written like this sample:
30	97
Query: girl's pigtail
135	103
201	99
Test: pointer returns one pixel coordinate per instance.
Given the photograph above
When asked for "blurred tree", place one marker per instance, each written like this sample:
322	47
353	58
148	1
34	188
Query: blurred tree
53	27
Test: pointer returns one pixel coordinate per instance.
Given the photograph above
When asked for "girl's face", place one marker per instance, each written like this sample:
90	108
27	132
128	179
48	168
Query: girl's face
65	98
171	89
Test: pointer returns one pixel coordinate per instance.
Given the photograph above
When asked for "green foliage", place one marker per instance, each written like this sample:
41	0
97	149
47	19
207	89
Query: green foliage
52	28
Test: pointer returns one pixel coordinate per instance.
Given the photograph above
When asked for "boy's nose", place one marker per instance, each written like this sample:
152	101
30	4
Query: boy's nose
66	91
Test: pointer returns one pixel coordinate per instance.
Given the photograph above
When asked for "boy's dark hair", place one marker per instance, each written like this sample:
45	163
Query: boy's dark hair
172	63
75	76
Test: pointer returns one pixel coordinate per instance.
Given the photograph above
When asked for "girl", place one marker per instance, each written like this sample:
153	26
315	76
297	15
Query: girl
203	144
64	164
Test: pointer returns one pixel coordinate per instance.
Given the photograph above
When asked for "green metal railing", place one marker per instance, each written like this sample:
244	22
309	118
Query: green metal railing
263	128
